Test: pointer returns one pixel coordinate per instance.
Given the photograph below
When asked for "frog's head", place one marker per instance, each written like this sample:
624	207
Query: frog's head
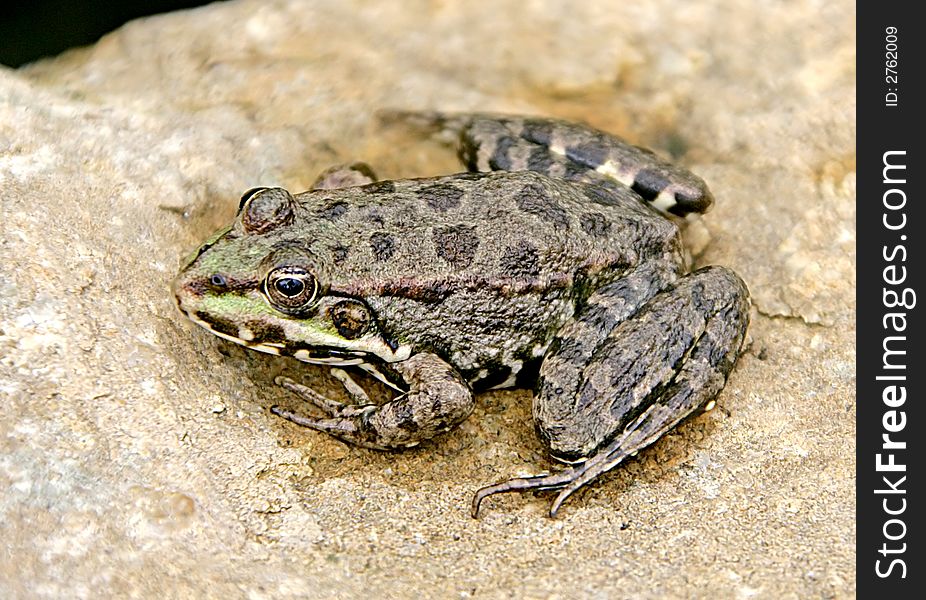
257	283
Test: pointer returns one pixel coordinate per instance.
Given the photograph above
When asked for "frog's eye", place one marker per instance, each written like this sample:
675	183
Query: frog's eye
263	209
291	289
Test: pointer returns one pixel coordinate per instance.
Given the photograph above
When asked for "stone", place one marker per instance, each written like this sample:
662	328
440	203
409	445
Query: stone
122	477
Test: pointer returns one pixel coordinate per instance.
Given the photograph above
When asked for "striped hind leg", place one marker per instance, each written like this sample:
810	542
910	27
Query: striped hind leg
665	363
580	153
573	151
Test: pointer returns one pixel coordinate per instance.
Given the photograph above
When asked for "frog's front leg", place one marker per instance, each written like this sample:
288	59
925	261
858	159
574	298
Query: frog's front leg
652	371
437	399
342	176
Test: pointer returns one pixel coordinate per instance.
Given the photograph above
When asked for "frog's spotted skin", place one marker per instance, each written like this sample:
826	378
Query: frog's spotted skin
549	270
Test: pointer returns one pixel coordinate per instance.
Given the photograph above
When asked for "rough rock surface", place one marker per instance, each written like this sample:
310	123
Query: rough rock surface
137	454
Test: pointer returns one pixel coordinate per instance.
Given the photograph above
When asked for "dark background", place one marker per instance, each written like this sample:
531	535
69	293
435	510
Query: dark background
40	28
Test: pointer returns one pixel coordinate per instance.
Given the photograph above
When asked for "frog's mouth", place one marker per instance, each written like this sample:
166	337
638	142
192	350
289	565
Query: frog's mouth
282	337
322	355
327	350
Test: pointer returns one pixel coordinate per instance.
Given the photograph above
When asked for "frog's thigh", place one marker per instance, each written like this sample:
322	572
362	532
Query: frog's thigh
575	344
579	153
650	372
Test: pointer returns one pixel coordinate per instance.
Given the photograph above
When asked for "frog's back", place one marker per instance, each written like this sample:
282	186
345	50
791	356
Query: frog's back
479	268
520	228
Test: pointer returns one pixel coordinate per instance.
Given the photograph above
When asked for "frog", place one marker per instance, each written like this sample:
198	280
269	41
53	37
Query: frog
553	263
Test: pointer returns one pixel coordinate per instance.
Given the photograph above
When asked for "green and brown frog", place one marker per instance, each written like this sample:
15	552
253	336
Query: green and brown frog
551	264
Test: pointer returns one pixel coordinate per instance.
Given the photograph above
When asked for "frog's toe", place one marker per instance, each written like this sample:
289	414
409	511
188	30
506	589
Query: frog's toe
523	484
342	427
332	408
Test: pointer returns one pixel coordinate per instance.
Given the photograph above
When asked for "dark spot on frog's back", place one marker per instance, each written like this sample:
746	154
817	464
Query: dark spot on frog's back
595	224
599	195
405	418
441	196
456	244
339	254
534	199
332	209
520	260
380	187
476	176
609	193
382	245
373	215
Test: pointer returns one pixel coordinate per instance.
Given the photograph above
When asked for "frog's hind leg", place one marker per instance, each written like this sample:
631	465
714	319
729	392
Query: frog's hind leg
565	150
579	153
653	370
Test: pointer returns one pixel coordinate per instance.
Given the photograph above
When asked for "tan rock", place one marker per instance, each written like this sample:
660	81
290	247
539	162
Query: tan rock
122	478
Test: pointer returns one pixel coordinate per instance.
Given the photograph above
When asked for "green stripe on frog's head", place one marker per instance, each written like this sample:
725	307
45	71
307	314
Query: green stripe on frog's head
334	331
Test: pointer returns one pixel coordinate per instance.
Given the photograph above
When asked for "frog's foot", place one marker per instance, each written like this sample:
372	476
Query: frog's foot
655	369
522	484
569	480
437	399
